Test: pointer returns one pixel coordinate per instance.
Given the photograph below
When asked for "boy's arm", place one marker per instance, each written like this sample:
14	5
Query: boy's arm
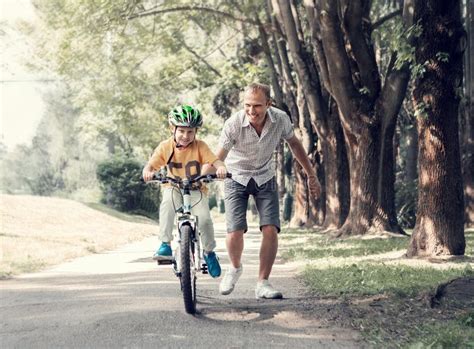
148	172
156	162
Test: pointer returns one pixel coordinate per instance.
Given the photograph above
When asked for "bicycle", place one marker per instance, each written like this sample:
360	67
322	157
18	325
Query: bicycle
188	257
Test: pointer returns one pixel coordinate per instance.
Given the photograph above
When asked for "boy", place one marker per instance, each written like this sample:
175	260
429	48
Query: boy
185	156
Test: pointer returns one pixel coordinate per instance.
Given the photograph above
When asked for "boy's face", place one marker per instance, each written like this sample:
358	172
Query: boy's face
185	135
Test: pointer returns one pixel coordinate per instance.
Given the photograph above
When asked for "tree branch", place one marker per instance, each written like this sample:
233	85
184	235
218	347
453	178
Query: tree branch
385	18
308	77
357	26
314	20
339	70
189	8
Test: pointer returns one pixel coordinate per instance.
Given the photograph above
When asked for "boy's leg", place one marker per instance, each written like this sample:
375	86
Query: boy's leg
206	227
167	220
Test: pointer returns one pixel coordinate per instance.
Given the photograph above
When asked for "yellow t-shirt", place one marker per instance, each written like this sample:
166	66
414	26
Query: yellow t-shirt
182	163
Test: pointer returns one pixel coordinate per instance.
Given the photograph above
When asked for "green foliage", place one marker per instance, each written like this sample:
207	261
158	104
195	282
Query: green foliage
442	56
421	109
126	72
406	197
57	162
122	189
403	43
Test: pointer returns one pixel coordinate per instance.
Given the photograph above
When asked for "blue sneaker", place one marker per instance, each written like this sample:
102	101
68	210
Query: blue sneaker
163	252
213	266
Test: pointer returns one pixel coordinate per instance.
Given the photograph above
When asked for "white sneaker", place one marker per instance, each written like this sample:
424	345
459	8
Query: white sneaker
230	279
265	290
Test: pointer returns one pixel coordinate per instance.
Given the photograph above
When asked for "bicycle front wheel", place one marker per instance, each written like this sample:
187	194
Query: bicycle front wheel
188	270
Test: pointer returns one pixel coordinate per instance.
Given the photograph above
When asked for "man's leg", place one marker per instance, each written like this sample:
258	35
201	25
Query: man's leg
266	198
268	251
235	247
236	200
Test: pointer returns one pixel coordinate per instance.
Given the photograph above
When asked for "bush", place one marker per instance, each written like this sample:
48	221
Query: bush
123	190
405	202
221	206
212	201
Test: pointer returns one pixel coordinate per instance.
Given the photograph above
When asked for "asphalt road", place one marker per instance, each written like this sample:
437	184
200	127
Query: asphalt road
123	299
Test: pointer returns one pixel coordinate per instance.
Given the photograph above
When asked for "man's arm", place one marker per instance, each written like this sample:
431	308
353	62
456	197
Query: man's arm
221	153
300	155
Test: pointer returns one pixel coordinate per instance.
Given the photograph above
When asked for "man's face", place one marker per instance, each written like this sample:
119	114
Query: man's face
185	135
256	106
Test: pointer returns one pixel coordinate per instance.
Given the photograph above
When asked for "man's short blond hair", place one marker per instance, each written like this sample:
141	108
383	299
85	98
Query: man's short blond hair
254	87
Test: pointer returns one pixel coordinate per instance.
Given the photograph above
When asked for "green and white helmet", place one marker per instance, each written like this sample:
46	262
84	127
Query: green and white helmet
186	116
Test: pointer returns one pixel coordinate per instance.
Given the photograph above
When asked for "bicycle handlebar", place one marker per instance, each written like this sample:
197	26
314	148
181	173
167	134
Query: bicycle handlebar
157	176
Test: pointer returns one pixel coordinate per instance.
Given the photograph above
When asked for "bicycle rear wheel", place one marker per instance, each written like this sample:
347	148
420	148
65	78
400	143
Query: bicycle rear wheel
188	270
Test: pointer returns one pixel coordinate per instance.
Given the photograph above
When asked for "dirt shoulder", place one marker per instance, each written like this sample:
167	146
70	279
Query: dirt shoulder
37	232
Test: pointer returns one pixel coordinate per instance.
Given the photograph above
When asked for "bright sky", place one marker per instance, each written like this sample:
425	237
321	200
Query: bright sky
20	97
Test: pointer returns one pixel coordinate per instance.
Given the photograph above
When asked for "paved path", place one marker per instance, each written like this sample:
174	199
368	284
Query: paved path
123	299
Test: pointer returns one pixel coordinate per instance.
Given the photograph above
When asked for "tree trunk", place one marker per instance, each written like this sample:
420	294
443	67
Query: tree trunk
301	211
386	176
439	226
467	128
302	215
362	151
336	173
411	160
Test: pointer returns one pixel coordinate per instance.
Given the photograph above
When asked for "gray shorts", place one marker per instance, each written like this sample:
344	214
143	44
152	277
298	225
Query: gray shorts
236	202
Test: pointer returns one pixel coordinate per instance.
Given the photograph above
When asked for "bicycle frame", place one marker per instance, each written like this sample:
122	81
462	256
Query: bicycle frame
185	217
188	257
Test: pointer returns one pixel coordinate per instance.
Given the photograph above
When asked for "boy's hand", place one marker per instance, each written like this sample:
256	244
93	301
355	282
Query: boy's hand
147	174
221	172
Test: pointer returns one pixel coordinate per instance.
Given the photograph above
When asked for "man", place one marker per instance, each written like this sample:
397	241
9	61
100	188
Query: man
247	144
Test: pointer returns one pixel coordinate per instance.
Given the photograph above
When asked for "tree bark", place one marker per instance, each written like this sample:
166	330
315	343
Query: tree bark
439	226
411	159
336	173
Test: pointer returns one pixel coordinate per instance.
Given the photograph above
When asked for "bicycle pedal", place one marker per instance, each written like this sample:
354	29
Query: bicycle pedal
164	261
204	268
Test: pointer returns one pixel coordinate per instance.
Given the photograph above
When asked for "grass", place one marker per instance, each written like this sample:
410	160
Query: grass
456	333
38	232
368	278
345	248
386	293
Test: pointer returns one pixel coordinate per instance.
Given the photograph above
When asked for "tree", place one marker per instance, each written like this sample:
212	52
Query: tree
368	110
439	228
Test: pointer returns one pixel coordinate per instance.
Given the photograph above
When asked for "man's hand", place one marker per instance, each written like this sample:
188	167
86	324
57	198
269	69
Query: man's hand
221	172
314	186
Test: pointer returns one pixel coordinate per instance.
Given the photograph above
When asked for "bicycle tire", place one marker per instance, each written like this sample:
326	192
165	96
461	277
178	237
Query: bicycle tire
188	271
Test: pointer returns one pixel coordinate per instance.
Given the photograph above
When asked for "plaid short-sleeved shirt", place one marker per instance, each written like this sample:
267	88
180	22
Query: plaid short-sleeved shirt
251	156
